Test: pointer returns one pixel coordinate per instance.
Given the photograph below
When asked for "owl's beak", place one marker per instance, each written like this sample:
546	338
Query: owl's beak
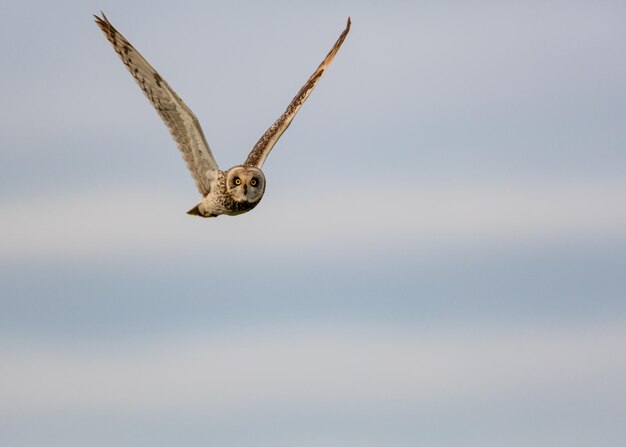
245	190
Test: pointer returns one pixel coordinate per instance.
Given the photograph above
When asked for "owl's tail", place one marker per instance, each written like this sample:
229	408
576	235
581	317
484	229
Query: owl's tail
195	211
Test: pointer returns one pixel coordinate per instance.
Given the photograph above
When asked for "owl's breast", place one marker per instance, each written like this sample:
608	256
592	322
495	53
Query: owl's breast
219	201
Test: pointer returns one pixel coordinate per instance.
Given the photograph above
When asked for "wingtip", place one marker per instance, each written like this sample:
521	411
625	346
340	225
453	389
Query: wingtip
347	29
102	19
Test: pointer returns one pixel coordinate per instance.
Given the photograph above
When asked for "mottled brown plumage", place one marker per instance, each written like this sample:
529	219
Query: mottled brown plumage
180	120
262	148
240	188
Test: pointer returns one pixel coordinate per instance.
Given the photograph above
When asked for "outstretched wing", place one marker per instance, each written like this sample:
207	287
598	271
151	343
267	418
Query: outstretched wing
180	120
261	150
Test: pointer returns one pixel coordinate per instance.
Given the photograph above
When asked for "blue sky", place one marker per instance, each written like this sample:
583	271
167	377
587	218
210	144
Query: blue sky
438	260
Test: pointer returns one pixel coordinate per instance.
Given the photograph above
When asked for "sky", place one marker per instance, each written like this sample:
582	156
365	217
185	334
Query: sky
439	258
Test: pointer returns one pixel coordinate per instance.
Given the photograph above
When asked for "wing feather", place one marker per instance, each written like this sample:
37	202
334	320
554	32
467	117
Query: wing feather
262	148
180	120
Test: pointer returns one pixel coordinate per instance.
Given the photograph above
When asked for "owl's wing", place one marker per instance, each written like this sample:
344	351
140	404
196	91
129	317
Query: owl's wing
180	120
262	148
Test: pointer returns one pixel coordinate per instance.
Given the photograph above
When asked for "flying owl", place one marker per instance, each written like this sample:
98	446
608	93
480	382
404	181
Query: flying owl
240	188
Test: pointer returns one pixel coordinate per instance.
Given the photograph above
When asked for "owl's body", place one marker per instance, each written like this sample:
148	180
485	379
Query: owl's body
232	192
238	189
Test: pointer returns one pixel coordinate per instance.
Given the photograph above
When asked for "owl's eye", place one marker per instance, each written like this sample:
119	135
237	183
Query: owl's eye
237	181
253	182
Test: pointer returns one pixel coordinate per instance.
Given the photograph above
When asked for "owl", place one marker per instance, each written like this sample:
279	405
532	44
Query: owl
230	192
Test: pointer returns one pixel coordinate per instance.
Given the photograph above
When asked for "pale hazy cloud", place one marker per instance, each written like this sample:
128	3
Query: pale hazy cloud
314	366
434	216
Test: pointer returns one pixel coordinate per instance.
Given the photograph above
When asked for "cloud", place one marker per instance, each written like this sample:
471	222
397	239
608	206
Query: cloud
317	366
112	222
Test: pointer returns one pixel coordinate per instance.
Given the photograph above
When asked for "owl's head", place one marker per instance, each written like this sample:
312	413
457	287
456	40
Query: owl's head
245	184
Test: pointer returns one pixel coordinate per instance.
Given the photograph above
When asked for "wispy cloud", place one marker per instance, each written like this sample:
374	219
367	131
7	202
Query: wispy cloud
315	367
111	222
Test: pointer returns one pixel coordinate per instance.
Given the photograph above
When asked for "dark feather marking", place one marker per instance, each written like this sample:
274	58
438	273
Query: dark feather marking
158	79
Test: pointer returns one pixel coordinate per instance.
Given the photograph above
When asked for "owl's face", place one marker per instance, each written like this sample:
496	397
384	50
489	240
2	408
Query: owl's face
245	184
